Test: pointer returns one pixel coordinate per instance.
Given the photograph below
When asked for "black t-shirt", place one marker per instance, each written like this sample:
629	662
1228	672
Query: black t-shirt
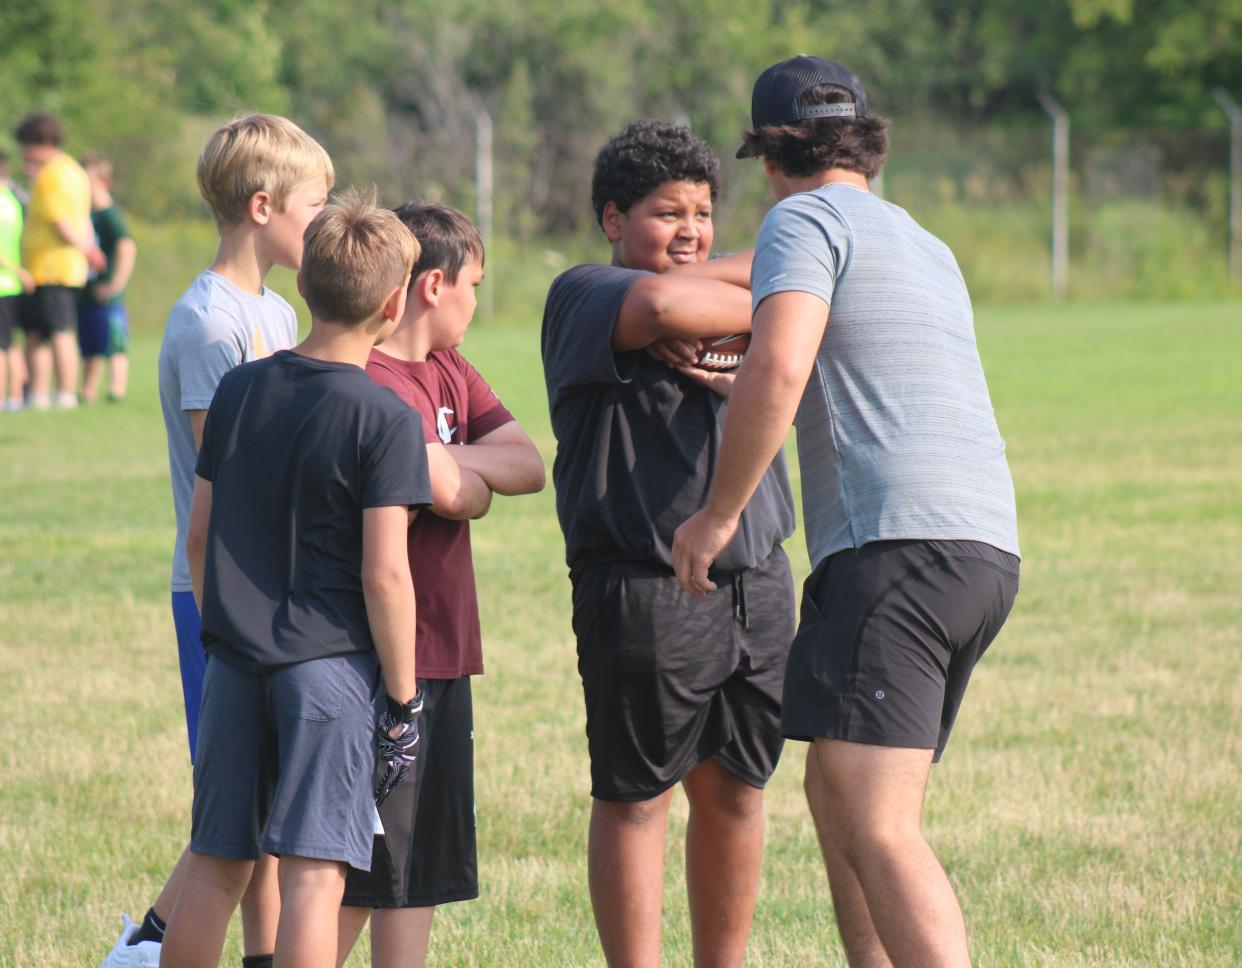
295	448
637	442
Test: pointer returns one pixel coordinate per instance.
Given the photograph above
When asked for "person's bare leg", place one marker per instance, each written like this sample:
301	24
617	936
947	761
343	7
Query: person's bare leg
39	365
211	890
92	374
15	361
167	900
400	937
862	945
65	353
625	868
310	895
260	908
118	375
876	798
349	925
724	854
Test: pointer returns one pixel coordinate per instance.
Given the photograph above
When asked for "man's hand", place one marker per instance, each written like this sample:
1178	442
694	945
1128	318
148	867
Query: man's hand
675	352
103	291
396	742
696	544
27	280
718	381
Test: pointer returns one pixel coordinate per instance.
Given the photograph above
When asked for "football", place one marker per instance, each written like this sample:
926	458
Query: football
724	352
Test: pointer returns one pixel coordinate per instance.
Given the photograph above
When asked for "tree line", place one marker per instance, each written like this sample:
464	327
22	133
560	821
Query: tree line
394	88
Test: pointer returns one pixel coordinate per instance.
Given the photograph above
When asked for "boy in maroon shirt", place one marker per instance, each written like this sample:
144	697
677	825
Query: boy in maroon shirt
475	449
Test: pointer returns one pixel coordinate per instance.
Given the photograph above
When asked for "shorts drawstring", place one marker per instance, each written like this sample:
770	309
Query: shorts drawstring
740	615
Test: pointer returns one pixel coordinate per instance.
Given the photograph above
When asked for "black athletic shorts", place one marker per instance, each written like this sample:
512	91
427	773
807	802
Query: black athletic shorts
427	855
8	319
889	636
672	681
50	309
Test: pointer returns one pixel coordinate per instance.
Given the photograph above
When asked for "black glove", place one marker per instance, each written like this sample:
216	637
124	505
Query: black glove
398	755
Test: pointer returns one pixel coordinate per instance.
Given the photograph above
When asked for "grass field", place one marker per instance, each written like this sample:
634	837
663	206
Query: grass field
1088	809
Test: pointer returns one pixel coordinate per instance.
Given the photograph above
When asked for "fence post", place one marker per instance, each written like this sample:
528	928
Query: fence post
1060	192
484	187
1230	107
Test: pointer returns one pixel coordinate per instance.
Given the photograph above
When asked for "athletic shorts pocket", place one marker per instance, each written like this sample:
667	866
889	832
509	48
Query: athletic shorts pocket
313	691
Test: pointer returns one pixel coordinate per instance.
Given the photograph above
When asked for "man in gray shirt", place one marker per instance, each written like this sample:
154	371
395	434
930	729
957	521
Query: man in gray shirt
907	499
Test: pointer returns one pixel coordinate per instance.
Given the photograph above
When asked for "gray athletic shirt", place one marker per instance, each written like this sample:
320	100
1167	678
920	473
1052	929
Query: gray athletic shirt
212	328
896	433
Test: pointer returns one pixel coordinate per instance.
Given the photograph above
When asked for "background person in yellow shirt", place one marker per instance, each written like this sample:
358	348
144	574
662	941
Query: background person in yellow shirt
58	250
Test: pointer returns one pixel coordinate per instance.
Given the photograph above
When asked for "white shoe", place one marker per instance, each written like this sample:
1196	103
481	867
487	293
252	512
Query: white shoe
66	400
39	401
144	954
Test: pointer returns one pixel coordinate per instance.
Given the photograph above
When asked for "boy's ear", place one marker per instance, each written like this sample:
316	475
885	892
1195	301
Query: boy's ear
612	221
394	305
430	285
260	207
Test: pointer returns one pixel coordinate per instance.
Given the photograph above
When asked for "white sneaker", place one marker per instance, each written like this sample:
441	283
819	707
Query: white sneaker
144	954
66	400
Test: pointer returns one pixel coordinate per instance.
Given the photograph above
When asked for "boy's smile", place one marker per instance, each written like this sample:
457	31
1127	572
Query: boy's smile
669	227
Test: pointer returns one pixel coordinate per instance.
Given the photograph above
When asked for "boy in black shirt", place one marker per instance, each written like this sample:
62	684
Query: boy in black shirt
678	690
297	554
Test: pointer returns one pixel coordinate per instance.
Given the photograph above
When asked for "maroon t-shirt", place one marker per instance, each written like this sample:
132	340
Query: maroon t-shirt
457	407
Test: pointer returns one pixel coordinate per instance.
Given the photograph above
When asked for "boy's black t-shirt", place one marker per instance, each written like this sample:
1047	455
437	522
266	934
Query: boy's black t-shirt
295	448
637	442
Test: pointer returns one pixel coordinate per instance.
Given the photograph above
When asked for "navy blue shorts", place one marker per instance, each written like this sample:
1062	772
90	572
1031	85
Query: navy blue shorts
286	761
193	659
103	330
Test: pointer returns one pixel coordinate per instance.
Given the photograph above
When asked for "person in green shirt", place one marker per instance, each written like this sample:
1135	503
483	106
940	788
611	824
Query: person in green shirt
103	321
14	282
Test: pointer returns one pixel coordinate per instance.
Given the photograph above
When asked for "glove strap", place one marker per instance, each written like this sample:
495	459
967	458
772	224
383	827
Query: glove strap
405	712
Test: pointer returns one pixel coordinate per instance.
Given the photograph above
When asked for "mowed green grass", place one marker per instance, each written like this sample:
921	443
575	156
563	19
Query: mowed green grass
1087	810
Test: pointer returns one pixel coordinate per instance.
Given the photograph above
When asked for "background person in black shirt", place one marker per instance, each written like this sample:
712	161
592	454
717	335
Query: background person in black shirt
678	690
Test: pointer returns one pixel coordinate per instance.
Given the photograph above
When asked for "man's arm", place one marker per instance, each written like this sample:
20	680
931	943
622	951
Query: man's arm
196	535
197	419
458	493
789	327
505	458
126	256
85	242
389	593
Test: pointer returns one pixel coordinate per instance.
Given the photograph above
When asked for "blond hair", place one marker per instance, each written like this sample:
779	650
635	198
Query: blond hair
354	255
257	153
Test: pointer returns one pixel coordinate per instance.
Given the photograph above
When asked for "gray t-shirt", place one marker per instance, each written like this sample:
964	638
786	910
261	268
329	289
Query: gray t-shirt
212	328
896	433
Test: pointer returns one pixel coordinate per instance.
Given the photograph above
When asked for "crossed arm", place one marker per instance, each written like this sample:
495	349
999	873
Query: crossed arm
464	478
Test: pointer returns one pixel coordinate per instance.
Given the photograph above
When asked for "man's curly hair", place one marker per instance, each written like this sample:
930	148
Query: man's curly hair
855	144
643	157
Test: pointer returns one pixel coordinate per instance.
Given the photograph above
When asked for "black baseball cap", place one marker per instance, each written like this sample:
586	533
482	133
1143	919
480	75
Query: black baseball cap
775	97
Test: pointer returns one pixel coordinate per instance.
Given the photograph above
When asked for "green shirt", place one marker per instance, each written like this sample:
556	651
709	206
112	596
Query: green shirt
11	218
109	230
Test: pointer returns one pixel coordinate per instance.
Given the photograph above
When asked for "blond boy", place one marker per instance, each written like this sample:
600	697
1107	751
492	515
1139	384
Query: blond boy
305	479
263	180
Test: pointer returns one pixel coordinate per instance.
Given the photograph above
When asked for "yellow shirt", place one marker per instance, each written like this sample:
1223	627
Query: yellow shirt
60	191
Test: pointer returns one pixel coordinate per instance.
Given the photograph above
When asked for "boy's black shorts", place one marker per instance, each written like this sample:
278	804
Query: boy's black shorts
50	309
8	319
427	855
672	681
889	636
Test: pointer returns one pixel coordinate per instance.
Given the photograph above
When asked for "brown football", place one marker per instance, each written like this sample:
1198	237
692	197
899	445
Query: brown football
724	352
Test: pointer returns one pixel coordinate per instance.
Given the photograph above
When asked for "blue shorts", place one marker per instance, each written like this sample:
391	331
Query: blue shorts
103	330
193	659
286	760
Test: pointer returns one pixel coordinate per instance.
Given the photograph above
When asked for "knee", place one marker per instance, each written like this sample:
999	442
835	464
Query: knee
639	813
732	802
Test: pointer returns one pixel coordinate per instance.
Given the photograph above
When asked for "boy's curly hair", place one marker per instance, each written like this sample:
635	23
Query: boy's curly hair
855	144
646	155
